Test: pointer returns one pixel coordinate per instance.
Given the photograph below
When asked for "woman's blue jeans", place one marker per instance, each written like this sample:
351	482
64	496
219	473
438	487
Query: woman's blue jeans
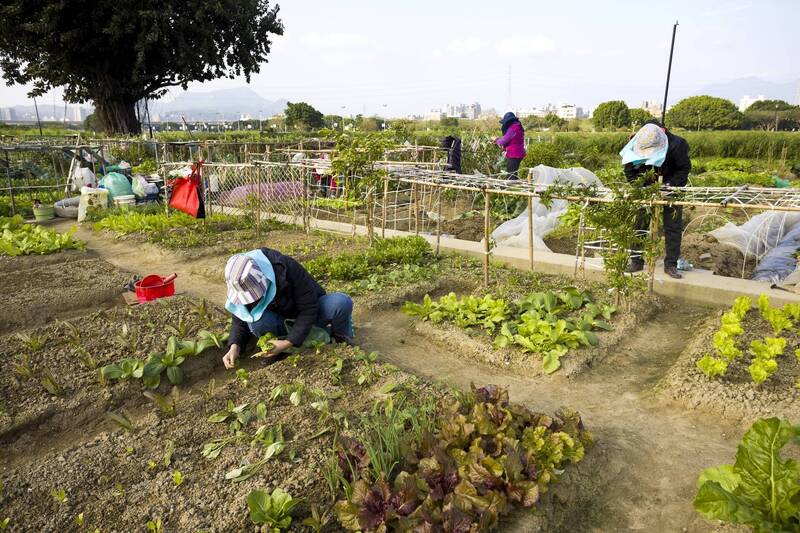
334	315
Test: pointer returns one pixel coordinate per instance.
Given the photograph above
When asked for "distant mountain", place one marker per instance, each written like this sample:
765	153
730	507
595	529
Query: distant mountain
733	90
225	104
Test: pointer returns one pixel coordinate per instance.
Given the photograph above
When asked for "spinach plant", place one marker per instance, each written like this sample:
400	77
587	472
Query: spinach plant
761	488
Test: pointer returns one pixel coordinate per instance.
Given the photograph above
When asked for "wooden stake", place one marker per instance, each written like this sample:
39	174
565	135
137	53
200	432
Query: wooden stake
530	226
385	200
438	222
258	202
486	239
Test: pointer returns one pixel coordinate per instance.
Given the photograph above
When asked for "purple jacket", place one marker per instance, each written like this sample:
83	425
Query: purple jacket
513	141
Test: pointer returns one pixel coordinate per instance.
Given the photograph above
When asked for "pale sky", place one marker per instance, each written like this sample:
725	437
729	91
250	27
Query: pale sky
413	55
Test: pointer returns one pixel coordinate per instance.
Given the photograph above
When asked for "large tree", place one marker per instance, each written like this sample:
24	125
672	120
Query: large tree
303	116
639	117
773	115
705	112
116	53
613	114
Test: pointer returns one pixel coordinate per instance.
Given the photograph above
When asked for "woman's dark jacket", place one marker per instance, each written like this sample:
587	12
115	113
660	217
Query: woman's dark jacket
297	298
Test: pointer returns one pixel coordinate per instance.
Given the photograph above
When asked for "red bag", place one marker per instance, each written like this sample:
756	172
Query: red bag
186	193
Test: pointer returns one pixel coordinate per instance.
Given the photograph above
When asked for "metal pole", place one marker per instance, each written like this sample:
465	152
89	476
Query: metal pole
438	221
669	71
39	122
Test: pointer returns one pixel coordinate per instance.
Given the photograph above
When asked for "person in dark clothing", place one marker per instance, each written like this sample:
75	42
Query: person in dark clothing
513	142
265	288
672	163
453	146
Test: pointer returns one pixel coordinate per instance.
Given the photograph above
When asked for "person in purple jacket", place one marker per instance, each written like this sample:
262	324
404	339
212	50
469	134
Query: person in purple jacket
513	141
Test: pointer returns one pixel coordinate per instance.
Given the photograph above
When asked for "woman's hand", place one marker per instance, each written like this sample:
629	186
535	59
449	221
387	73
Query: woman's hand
229	359
279	346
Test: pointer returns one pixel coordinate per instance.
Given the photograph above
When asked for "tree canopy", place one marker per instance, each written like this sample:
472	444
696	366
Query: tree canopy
770	105
639	117
303	116
612	114
705	112
116	53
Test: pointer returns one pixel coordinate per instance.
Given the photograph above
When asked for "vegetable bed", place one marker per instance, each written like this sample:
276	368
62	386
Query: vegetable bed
743	363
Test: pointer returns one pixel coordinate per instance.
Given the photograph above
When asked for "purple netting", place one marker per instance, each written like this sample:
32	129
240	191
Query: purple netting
277	191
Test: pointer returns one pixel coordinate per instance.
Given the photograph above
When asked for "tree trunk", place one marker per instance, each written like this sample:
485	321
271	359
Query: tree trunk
118	117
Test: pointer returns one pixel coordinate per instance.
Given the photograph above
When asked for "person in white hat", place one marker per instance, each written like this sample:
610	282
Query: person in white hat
655	147
267	288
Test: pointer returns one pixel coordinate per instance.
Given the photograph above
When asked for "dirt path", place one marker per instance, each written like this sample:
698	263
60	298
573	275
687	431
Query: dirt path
648	455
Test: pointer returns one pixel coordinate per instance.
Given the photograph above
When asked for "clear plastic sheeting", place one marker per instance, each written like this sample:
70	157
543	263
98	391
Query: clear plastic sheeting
515	231
779	262
756	237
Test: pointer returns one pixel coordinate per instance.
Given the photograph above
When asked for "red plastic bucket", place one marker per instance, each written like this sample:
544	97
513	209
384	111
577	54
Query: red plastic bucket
153	287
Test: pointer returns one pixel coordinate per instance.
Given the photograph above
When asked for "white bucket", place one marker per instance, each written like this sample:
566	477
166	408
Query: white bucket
91	198
124	201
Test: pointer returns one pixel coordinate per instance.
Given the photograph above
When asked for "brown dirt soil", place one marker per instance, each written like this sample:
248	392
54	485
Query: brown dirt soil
704	251
469	228
734	395
106	475
36	294
562	244
641	474
27	404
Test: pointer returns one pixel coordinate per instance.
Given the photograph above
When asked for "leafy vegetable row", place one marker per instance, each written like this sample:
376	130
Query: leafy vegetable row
18	238
765	353
483	456
545	323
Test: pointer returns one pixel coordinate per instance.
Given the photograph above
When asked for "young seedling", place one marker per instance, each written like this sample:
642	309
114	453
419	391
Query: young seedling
169	452
32	342
80	520
170	362
272	510
151	465
155	526
124	369
4	523
317	520
23	366
60	496
336	370
249	470
293	360
127	339
242	376
119	490
181	330
121	420
49	383
177	478
216	339
239	415
86	358
159	400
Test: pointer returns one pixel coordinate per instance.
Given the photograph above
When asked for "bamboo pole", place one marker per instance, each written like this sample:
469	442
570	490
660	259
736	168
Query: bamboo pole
530	226
438	222
258	203
651	263
486	239
416	210
385	201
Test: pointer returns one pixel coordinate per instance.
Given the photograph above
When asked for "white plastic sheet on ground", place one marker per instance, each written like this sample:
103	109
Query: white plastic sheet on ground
515	231
758	235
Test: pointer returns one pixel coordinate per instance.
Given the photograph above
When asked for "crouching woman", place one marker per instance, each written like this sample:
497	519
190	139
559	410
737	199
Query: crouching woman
265	290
